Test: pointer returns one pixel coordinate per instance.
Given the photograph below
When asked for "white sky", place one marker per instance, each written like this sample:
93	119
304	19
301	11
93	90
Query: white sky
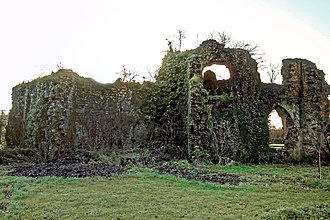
96	37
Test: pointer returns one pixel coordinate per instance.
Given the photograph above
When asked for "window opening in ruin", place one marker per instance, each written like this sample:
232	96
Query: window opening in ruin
221	71
216	78
276	131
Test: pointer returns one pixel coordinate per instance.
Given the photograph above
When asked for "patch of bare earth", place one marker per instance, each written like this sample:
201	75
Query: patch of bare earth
77	165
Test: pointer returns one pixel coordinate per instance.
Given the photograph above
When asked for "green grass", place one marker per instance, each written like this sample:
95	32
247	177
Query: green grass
268	192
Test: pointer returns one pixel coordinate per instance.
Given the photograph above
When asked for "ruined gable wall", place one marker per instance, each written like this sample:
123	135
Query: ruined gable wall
234	123
230	122
307	93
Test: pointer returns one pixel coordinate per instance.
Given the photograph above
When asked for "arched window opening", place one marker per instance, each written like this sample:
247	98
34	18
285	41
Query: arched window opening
221	71
276	128
216	78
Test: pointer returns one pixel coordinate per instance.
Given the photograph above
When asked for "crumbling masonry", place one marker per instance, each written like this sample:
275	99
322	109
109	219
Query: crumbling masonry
226	118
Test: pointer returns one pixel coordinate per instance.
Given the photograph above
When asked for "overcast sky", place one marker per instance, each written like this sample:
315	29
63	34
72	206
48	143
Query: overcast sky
96	38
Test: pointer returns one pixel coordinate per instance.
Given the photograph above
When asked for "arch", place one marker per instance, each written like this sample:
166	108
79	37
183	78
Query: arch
287	120
275	120
221	72
216	76
211	64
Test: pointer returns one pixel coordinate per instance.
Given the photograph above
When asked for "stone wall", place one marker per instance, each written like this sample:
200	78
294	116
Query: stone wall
227	122
306	99
64	111
229	118
186	112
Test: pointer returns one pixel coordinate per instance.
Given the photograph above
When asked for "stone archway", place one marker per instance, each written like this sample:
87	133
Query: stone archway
288	124
221	71
216	77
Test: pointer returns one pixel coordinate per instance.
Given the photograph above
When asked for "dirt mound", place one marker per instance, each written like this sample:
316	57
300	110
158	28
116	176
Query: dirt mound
77	164
84	164
197	174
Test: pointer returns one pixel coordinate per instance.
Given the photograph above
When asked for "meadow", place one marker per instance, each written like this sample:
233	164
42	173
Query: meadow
264	192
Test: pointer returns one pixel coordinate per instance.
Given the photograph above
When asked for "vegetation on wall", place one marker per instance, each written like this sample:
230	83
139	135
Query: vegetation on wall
189	121
175	115
63	111
183	113
3	122
167	104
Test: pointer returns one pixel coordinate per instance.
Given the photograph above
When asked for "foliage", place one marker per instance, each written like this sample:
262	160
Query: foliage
3	123
228	126
200	155
62	111
254	133
17	155
167	104
276	135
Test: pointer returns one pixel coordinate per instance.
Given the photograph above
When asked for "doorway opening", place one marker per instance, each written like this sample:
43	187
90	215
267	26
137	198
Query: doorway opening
276	128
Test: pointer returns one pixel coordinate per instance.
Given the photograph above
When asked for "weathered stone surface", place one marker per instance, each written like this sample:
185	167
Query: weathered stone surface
188	113
63	112
236	126
228	120
307	105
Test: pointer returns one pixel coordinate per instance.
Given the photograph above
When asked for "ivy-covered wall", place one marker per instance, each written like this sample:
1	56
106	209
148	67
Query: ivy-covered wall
167	106
186	113
213	118
228	120
63	111
224	121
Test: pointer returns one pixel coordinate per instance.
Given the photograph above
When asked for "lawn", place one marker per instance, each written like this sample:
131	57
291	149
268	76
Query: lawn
266	192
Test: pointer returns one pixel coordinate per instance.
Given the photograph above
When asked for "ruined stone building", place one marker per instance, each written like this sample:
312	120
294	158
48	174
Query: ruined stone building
64	112
187	111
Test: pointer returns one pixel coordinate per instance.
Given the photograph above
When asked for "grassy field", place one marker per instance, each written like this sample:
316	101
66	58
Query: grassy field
266	192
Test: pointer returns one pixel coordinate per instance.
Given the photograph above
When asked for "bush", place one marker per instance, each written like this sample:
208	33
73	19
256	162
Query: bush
17	155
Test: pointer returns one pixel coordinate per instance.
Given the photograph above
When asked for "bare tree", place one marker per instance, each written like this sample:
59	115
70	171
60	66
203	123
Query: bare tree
319	162
175	41
273	72
181	37
127	75
152	75
223	38
59	66
170	44
254	50
317	142
321	146
211	36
